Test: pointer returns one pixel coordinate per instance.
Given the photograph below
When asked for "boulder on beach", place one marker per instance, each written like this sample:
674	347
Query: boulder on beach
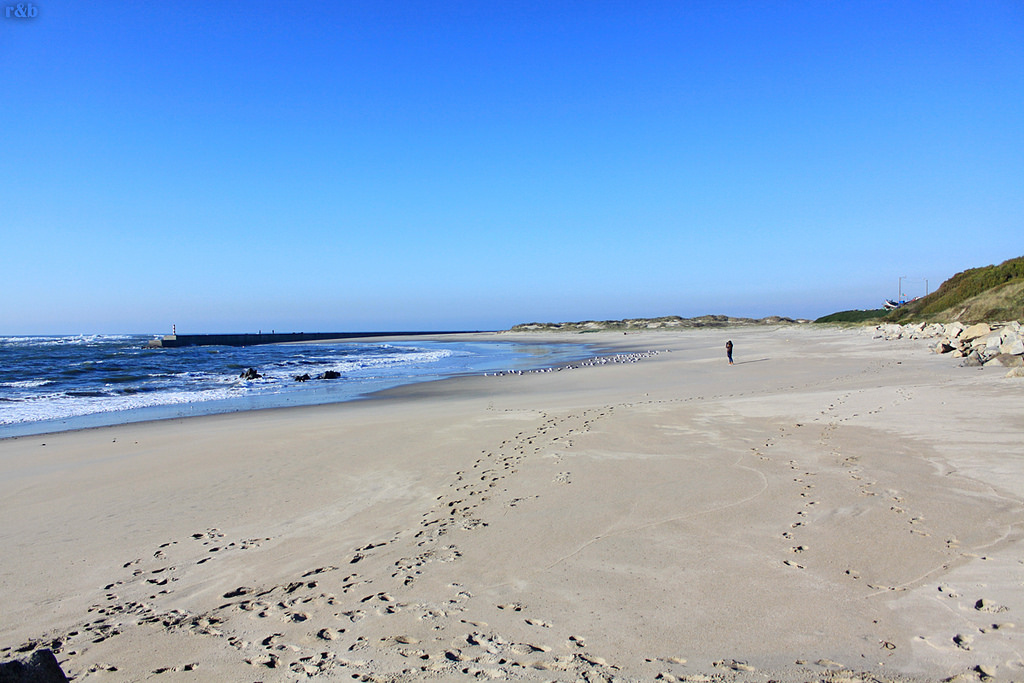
973	360
1013	345
41	667
1007	359
302	378
975	331
330	374
954	330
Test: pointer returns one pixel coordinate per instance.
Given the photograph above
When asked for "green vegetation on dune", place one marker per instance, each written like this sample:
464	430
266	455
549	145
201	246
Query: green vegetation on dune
988	294
856	316
979	294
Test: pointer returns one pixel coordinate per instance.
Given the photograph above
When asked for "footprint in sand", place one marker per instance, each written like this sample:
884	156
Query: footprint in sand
329	633
269	660
963	641
734	665
319	570
886	588
186	667
984	605
528	648
238	643
829	664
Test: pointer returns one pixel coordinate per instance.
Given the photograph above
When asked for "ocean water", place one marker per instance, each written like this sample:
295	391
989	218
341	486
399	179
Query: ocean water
56	383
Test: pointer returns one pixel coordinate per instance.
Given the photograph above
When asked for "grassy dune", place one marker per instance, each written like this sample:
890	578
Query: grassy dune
990	293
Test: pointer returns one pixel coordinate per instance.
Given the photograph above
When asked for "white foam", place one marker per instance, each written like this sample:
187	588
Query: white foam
59	406
65	340
26	383
357	367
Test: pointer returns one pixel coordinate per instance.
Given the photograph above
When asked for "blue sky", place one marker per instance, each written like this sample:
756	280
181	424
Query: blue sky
356	165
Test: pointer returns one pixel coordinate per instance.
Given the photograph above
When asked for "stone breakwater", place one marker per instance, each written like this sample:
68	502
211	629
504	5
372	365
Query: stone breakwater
979	345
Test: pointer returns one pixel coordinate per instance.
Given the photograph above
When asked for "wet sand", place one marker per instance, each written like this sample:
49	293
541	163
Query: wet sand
831	507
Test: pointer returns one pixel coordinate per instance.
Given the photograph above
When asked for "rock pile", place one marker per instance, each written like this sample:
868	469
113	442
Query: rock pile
980	345
329	374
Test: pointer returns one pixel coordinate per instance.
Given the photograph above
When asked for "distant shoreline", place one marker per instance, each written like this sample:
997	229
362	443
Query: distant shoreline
670	322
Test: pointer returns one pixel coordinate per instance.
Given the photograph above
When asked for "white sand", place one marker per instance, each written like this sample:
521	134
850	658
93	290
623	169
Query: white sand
830	503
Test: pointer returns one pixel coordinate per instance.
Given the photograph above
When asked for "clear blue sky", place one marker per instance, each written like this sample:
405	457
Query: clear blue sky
353	165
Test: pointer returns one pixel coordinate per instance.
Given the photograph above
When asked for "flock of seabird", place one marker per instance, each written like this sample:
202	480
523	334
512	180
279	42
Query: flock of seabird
590	362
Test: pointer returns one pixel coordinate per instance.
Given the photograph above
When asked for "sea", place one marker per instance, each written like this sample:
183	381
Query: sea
58	383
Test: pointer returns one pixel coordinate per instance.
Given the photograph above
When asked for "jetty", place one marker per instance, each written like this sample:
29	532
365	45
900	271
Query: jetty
254	339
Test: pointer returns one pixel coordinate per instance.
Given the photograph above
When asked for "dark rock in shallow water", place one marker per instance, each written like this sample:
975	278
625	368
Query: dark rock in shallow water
250	373
302	378
41	667
330	374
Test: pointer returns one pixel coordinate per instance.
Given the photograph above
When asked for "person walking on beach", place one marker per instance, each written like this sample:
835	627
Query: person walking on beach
728	350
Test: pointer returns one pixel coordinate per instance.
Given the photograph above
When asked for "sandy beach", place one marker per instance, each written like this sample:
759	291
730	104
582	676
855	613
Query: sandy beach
832	507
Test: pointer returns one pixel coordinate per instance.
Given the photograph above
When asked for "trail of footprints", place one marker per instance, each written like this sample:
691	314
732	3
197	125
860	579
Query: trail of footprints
320	621
804	479
150	578
975	607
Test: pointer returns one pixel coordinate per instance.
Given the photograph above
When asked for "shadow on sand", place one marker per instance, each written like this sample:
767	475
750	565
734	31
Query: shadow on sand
744	362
